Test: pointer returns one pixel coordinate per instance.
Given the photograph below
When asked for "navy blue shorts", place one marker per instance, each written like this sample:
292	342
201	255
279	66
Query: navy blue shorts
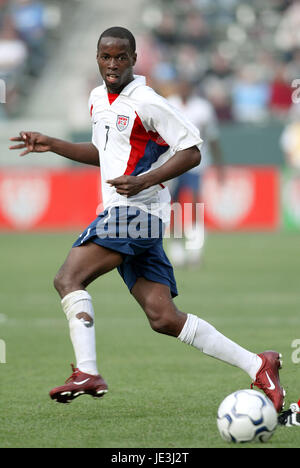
138	236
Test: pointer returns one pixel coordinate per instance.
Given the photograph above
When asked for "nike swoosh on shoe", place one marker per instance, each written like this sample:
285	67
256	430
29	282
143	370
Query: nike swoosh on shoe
272	385
82	382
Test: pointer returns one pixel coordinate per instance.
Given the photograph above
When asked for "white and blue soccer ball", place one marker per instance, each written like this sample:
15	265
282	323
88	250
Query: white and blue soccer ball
246	416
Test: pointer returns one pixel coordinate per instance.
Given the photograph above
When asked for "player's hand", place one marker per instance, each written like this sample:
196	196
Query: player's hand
31	142
127	186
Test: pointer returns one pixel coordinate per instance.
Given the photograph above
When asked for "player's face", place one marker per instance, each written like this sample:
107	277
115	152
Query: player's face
116	62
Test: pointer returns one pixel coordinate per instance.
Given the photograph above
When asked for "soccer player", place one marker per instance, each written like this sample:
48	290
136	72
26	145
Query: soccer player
140	141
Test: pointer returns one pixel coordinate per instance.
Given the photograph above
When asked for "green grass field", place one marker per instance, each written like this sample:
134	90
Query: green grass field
163	394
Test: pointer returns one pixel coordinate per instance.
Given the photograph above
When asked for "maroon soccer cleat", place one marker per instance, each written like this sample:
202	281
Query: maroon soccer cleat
78	384
267	378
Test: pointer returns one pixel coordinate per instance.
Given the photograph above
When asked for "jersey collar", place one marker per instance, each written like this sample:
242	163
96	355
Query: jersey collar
138	80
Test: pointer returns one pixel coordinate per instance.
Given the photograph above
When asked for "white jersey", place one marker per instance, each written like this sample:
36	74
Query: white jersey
202	114
135	132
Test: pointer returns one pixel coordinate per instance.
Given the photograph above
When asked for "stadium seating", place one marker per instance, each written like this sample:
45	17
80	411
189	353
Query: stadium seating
242	55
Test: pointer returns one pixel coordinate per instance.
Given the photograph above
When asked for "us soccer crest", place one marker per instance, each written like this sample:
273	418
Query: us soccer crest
122	122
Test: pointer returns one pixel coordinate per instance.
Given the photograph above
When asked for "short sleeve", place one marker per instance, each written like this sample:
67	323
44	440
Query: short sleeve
158	115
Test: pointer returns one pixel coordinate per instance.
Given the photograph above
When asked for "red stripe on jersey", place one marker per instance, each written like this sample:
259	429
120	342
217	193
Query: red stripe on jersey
138	142
91	111
112	97
154	136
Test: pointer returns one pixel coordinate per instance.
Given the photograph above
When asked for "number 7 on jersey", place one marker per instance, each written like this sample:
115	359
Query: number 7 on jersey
106	139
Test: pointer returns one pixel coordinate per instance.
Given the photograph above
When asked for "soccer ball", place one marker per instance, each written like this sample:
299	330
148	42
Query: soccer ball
245	416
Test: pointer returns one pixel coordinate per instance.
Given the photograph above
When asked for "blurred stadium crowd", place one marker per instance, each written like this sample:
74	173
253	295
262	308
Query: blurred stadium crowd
241	55
28	30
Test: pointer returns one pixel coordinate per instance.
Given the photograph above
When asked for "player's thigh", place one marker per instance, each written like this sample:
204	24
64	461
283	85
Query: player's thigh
157	303
84	264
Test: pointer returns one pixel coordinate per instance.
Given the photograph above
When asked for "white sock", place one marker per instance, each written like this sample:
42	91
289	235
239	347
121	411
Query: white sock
206	338
82	331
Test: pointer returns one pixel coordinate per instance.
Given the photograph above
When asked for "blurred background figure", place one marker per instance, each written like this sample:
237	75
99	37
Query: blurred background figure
200	112
13	56
280	101
29	20
250	96
26	44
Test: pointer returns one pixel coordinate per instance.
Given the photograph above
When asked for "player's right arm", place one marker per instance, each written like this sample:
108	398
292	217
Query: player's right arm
33	142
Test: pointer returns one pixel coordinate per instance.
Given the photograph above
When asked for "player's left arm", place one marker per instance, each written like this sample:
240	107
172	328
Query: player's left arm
181	162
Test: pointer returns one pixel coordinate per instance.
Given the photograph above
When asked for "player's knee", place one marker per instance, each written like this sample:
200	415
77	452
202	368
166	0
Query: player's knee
56	282
161	325
161	319
63	283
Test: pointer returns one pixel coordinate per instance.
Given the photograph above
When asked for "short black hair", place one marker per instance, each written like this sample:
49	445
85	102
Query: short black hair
120	33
